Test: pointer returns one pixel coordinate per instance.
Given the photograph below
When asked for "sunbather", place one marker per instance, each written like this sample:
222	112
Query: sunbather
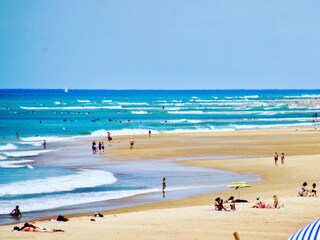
260	203
27	227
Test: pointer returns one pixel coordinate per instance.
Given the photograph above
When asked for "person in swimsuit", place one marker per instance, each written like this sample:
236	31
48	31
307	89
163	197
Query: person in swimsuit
16	213
313	192
303	191
27	227
164	185
282	158
260	203
275	156
131	143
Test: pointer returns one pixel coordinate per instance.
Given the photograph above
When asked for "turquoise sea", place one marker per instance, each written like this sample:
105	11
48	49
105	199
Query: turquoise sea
49	181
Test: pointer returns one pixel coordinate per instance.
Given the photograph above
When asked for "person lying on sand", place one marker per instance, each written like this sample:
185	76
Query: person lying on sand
27	227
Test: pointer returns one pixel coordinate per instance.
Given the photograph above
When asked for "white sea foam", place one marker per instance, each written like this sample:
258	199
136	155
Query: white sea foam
132	103
57	103
185	112
71	108
9	146
26	153
304	96
50	202
81	179
3	158
122	132
106	101
184	120
83	101
139	112
16	164
39	139
252	96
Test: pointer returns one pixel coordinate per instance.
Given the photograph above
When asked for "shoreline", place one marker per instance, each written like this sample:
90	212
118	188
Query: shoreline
282	180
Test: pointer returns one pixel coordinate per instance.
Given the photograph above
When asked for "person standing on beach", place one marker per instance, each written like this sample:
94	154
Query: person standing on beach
93	147
100	146
282	158
164	185
131	143
149	133
275	156
44	144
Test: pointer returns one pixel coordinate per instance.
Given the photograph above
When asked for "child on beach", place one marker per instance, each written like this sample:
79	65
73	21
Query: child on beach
131	143
303	192
282	158
313	192
275	156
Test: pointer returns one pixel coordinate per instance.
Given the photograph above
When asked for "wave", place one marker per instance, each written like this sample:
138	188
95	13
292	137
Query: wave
252	96
26	153
51	202
71	108
9	146
132	103
16	164
106	101
82	179
243	127
304	96
83	101
184	120
3	158
122	132
185	112
139	112
37	141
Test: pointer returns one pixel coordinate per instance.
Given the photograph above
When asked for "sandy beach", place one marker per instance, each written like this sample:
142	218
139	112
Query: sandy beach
243	152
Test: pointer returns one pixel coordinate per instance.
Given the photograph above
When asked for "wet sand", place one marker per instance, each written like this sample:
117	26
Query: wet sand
194	217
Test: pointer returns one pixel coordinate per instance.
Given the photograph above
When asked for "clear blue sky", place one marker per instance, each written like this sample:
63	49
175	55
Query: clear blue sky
198	44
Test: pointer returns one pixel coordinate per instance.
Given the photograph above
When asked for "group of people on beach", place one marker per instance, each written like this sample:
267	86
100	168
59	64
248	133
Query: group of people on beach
304	192
228	205
95	148
276	157
261	204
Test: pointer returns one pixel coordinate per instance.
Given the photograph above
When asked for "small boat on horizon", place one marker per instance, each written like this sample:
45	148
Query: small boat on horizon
66	90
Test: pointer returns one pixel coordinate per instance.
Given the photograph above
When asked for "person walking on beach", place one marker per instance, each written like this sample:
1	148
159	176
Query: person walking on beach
93	147
275	156
102	145
282	158
44	144
16	213
149	133
164	185
131	143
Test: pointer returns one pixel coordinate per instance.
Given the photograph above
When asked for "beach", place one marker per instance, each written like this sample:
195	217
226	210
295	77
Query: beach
244	152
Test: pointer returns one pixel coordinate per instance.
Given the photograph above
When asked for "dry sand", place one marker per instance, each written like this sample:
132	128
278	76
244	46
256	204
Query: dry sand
194	217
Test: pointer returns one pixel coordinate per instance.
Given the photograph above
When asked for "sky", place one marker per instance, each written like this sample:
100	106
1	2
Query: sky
146	44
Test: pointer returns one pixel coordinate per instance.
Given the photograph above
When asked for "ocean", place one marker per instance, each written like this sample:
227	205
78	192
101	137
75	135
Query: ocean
44	182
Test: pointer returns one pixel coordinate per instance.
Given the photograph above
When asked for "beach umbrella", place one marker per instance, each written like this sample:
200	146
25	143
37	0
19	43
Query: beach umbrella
309	232
239	185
